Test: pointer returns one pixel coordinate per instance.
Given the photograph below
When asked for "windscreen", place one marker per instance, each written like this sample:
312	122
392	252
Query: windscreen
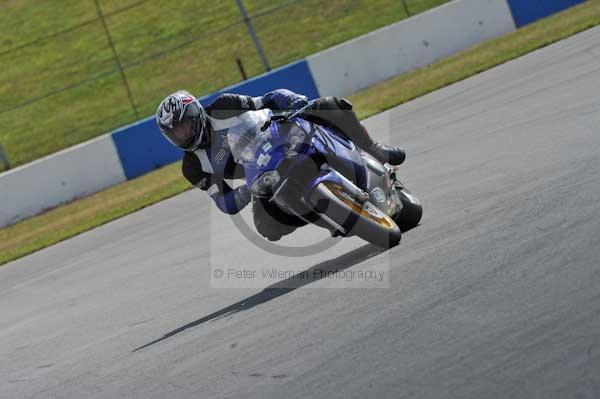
246	137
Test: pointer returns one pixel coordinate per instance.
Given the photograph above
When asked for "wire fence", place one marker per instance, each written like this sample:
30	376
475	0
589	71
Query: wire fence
106	63
159	52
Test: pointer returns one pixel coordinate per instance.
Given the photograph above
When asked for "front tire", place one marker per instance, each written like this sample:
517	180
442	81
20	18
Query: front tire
366	221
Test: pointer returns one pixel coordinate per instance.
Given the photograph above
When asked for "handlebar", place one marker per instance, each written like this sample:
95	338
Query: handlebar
286	116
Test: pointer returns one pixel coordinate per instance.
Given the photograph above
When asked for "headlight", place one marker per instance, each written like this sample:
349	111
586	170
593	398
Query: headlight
264	185
296	136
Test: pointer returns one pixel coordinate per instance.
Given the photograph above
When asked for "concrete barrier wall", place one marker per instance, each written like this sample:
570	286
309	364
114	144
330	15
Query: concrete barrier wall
126	153
142	148
75	172
408	44
139	148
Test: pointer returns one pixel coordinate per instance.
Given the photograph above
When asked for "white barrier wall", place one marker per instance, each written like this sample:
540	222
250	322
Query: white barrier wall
341	70
58	178
408	44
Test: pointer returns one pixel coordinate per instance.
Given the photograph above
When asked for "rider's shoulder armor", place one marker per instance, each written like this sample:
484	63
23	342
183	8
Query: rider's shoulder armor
206	165
216	162
228	105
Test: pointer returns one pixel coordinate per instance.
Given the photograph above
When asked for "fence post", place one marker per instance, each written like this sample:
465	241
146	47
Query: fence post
241	68
406	8
259	48
4	159
117	59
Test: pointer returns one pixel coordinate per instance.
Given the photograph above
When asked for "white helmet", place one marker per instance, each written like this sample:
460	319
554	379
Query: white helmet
182	120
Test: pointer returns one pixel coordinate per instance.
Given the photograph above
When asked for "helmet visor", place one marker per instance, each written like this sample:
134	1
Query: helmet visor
182	134
185	132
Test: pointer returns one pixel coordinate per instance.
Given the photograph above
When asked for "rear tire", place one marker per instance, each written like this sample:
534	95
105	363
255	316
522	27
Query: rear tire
366	221
411	213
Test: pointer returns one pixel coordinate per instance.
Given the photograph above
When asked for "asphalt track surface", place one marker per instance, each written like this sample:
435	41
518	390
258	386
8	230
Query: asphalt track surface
495	295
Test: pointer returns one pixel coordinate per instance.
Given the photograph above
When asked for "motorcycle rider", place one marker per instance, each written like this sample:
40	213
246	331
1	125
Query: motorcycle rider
207	160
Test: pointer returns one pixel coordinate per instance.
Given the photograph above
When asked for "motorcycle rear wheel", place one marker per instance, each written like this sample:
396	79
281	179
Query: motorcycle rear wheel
411	213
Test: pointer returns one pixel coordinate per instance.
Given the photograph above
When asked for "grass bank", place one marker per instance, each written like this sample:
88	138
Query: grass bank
60	83
66	221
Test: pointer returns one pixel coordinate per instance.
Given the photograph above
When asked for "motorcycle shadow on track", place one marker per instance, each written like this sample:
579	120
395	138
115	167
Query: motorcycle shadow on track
280	288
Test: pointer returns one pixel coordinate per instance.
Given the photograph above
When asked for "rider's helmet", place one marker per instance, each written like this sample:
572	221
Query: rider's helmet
182	120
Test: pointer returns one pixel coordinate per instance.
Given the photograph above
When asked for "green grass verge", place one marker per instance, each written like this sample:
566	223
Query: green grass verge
84	214
163	46
66	221
476	59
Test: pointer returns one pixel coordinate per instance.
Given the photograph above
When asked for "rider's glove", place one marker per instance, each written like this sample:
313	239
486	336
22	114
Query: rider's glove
283	99
242	196
298	103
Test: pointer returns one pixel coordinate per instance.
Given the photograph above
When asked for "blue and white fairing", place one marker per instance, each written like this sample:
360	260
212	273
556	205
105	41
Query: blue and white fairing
258	151
262	152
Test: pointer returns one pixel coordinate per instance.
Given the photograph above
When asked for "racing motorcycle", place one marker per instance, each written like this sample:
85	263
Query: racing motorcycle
317	174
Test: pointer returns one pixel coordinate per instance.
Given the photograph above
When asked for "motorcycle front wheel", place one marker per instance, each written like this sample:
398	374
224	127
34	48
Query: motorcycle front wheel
364	220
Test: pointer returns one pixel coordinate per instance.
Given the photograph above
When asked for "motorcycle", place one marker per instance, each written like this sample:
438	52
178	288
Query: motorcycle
317	174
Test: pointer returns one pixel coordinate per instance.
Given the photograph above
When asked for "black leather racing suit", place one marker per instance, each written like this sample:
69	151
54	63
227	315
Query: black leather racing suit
208	168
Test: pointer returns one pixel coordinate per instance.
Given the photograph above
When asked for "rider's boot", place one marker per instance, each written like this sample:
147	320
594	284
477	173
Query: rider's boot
384	153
